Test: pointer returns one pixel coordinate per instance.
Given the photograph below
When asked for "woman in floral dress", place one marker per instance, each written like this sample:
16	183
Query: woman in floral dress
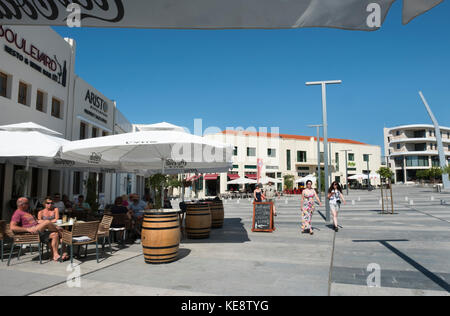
308	207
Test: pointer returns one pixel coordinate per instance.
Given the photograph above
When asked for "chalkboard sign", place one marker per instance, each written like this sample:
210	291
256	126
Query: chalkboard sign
263	217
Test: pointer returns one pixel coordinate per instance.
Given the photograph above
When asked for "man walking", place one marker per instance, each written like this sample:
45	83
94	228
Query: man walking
270	194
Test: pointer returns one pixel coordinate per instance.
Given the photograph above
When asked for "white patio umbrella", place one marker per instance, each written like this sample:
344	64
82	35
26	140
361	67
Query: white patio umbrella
310	177
242	181
27	141
165	152
358	177
266	180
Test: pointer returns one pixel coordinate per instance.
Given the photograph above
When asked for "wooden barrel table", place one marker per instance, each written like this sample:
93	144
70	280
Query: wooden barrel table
161	236
198	221
217	214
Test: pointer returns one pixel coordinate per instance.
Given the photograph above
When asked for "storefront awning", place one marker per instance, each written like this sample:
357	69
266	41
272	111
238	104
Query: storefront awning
192	178
252	176
211	177
233	176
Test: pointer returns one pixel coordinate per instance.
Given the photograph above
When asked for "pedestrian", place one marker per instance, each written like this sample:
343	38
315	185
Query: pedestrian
308	207
336	198
271	193
258	194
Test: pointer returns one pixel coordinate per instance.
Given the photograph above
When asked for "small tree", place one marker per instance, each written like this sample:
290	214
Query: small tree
155	183
446	170
385	173
289	182
422	174
435	173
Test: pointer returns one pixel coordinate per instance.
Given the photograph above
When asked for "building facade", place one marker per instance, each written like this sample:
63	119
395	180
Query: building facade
38	84
293	155
410	148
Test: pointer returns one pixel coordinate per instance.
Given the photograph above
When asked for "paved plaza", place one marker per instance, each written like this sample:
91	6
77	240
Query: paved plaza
411	249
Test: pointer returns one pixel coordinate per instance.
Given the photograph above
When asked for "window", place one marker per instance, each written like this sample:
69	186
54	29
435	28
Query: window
56	108
3	84
271	152
397	133
94	132
288	160
420	147
337	161
250	167
251	152
235	151
366	158
399	146
40	99
435	161
278	175
23	92
105	133
417	161
235	166
322	157
83	129
351	157
301	156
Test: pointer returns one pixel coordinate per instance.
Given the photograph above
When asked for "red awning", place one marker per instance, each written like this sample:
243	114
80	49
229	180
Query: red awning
192	178
211	176
233	176
252	176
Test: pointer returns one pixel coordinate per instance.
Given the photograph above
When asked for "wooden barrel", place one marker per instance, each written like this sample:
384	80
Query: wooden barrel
160	237
198	221
217	214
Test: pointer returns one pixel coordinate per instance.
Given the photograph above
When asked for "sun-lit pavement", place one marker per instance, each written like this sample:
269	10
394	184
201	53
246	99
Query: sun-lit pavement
411	248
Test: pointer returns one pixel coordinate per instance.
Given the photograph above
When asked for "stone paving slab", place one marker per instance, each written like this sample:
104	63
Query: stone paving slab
236	261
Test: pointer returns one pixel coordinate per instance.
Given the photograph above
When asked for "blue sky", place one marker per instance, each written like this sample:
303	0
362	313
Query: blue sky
257	78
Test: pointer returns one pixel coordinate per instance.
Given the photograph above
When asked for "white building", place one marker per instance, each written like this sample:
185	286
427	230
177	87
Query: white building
38	84
288	155
409	148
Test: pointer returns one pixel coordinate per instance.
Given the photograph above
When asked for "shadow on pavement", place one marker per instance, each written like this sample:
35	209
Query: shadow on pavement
430	275
233	231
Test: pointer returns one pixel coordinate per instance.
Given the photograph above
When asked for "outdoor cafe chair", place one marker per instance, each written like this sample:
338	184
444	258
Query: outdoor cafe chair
23	239
82	234
121	223
104	231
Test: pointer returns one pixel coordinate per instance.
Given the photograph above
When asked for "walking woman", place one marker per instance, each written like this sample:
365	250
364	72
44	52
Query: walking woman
258	195
308	207
336	198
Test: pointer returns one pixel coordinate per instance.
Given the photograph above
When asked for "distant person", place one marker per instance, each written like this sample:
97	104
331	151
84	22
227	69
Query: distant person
125	200
67	204
336	198
258	194
58	204
137	208
308	207
81	205
271	193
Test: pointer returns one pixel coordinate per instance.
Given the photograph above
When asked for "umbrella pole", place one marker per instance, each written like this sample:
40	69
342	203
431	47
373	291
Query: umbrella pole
182	188
27	168
162	184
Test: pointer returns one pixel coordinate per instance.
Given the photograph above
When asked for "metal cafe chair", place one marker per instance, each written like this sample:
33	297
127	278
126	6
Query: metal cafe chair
82	234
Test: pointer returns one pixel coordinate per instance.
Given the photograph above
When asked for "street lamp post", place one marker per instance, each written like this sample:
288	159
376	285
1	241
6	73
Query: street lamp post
325	134
346	167
319	171
368	172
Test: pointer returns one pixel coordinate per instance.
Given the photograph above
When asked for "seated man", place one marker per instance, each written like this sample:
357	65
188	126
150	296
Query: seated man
23	222
137	207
